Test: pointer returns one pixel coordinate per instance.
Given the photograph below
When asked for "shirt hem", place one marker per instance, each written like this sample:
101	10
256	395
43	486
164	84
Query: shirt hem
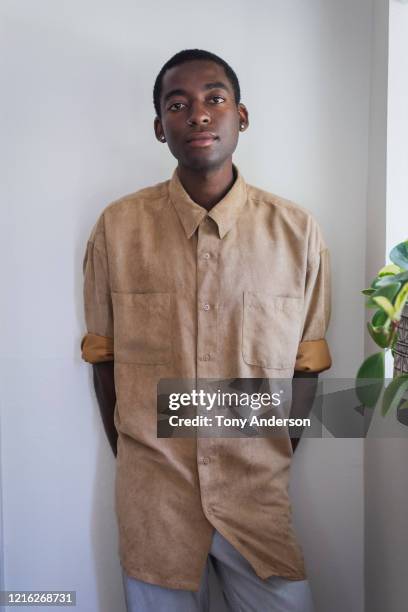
266	572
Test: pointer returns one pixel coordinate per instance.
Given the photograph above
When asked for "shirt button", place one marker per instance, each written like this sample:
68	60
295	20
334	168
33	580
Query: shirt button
206	256
205	357
205	460
206	307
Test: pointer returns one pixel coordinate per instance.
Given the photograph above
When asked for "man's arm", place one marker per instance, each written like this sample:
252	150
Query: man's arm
304	386
313	354
104	383
97	345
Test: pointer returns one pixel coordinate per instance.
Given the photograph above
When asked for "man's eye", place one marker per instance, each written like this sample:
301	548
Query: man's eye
176	106
218	98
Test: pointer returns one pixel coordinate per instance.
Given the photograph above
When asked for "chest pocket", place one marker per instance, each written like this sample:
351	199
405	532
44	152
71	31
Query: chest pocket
142	327
271	330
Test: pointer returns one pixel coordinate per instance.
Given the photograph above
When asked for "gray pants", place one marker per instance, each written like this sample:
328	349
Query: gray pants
243	590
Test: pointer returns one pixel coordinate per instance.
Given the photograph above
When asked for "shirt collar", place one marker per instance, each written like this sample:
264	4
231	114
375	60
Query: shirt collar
224	213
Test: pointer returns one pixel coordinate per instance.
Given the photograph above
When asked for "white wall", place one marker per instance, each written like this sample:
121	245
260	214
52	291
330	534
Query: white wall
77	132
397	134
377	150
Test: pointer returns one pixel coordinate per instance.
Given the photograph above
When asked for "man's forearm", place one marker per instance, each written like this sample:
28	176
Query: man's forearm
104	383
304	386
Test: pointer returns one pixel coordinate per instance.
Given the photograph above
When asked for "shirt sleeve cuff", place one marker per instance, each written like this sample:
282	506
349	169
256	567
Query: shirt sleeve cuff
96	348
313	356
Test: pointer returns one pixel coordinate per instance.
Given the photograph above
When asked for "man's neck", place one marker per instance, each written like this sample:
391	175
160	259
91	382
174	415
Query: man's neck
206	188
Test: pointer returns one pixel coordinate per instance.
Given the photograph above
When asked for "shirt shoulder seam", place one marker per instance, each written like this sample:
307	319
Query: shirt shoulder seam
265	197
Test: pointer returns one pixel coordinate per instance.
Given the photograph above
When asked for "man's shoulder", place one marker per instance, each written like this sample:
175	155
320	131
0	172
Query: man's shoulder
142	197
278	203
298	221
121	211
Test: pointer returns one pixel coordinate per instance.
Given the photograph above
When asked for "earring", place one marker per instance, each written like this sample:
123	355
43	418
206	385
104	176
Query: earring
162	138
242	125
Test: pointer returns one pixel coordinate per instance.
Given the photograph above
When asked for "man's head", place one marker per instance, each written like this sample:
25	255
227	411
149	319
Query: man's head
198	110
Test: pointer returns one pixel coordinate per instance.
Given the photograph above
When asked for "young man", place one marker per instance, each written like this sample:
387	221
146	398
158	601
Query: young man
202	276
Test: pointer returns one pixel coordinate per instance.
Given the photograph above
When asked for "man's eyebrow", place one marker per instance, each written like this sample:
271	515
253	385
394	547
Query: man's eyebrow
182	92
216	85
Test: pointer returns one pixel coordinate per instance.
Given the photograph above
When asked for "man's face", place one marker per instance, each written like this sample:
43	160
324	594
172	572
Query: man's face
199	116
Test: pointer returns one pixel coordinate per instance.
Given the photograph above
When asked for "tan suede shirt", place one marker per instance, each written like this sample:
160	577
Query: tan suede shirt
174	291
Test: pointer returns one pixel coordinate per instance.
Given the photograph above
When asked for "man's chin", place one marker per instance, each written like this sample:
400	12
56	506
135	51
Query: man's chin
201	162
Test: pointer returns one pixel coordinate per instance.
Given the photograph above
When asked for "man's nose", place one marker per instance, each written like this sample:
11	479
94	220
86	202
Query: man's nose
198	115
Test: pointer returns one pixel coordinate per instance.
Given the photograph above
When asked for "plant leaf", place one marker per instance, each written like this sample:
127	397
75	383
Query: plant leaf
390	279
380	335
389	292
394	392
399	255
377	282
400	301
368	291
385	304
379	319
390	269
372	367
370	304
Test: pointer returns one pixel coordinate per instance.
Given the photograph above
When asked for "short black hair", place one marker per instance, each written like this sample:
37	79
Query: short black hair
186	56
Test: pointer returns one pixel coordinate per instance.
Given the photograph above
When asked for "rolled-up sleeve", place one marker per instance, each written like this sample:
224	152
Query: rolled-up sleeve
97	343
313	352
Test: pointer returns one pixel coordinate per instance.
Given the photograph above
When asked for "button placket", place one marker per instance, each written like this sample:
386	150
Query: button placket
208	245
207	296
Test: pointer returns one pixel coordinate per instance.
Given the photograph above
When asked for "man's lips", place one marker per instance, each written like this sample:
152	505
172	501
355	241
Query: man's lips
201	139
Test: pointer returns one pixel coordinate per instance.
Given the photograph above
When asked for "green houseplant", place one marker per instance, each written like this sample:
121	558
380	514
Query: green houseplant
387	296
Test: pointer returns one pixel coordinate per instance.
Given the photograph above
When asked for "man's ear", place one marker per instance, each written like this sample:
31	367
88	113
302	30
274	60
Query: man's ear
243	115
158	130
